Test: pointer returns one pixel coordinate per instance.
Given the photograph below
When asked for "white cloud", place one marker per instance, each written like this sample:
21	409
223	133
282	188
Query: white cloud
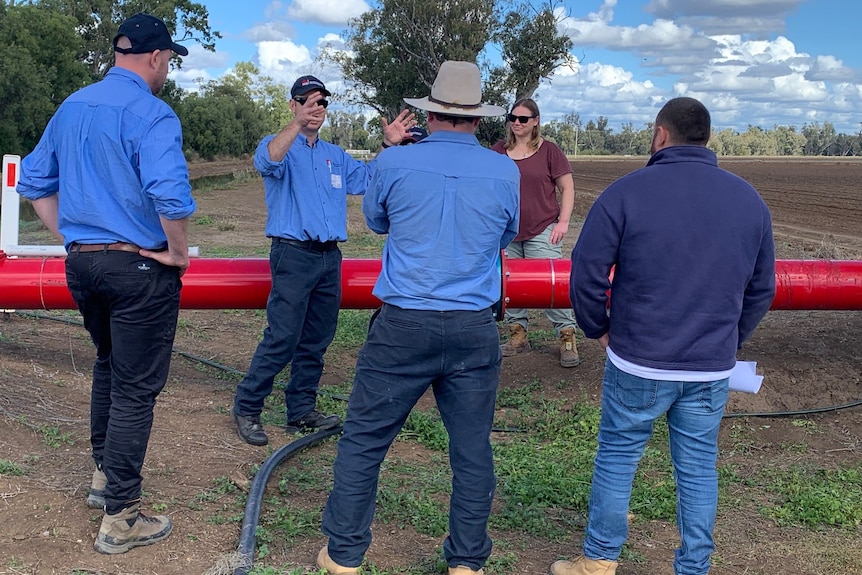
829	68
201	58
594	90
283	60
273	30
327	12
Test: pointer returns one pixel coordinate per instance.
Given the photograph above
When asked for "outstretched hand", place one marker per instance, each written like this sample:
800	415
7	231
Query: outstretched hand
397	129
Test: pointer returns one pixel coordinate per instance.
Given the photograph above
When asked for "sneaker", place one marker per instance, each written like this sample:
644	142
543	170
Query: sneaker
130	528
249	428
324	561
96	496
311	421
464	570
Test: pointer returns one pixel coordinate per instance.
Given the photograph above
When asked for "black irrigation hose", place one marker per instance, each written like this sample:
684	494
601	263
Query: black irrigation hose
255	494
342	397
796	412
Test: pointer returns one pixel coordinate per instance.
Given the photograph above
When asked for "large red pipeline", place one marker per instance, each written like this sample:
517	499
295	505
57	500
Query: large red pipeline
219	283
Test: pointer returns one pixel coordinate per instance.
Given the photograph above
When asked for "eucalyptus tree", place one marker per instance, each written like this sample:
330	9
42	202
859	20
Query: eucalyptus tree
395	49
97	22
39	68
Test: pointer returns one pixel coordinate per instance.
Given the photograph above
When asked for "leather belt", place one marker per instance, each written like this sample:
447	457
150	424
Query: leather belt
116	246
311	245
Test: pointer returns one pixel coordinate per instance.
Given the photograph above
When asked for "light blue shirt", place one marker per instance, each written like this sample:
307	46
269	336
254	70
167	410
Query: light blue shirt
114	153
306	192
449	206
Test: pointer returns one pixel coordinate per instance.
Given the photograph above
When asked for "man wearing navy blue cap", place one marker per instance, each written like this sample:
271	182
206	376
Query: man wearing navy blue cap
114	152
306	182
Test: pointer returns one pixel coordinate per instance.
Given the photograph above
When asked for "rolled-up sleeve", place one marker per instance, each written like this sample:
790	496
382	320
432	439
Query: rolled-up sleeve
40	171
264	164
164	171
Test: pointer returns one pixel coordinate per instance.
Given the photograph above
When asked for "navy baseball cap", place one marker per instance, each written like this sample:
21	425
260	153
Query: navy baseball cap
147	34
306	84
416	134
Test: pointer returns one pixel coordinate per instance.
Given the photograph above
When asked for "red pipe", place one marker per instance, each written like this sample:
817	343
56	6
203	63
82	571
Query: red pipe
219	283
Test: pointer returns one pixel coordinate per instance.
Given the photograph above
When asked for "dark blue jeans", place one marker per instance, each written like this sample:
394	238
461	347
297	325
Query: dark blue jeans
130	305
302	314
457	354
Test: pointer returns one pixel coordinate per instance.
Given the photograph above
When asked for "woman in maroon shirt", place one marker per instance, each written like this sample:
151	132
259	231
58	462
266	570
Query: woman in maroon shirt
544	220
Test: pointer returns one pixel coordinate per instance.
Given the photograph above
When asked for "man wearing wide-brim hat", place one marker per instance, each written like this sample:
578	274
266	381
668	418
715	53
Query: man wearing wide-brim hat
449	206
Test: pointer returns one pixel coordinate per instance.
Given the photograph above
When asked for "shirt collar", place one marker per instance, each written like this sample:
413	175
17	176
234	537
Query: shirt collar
129	75
449	136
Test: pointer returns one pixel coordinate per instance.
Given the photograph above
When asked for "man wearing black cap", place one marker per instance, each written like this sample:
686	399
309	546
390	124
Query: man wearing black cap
306	182
114	152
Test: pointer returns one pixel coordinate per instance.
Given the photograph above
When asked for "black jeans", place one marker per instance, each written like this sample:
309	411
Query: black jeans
130	305
302	314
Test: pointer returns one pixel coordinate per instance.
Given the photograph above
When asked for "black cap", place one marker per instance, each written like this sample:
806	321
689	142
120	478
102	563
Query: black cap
147	34
416	134
306	84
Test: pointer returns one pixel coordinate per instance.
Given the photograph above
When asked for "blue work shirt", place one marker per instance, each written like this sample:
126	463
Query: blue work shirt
449	206
306	192
113	151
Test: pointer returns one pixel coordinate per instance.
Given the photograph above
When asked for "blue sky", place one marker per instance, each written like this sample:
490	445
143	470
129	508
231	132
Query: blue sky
752	62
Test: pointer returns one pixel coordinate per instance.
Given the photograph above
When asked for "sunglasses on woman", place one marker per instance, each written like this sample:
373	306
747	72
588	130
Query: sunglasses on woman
301	101
523	119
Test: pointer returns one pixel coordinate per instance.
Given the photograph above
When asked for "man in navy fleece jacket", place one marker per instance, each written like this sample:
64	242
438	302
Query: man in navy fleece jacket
694	273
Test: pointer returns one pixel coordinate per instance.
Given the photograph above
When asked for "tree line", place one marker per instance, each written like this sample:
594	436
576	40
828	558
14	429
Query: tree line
50	48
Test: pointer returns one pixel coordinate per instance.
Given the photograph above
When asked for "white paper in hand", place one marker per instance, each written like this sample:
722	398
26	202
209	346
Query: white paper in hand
744	377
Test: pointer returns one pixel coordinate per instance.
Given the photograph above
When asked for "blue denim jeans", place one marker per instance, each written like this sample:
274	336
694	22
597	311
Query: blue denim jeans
457	354
302	314
130	305
630	405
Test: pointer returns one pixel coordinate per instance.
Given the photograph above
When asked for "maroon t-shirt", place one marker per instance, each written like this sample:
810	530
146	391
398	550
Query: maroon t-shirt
539	172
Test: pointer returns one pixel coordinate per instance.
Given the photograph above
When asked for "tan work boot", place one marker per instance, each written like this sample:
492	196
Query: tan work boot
324	561
584	566
462	570
130	528
96	496
568	348
517	341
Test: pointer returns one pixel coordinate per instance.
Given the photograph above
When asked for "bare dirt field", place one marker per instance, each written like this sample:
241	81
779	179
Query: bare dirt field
196	466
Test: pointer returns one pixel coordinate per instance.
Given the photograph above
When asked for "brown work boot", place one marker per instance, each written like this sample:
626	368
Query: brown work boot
568	348
517	341
584	566
462	570
324	561
130	528
96	496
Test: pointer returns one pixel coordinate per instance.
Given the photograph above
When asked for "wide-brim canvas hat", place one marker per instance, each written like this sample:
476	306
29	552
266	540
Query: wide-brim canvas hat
457	91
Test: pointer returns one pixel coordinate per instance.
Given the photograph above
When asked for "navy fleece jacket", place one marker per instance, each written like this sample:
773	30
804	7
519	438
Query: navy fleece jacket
694	263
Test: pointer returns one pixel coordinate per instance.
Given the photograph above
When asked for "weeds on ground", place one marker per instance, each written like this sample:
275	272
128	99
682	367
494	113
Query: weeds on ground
9	468
815	498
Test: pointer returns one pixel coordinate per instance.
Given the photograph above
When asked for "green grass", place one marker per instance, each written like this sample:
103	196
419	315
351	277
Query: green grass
352	328
815	498
53	437
10	468
226	252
